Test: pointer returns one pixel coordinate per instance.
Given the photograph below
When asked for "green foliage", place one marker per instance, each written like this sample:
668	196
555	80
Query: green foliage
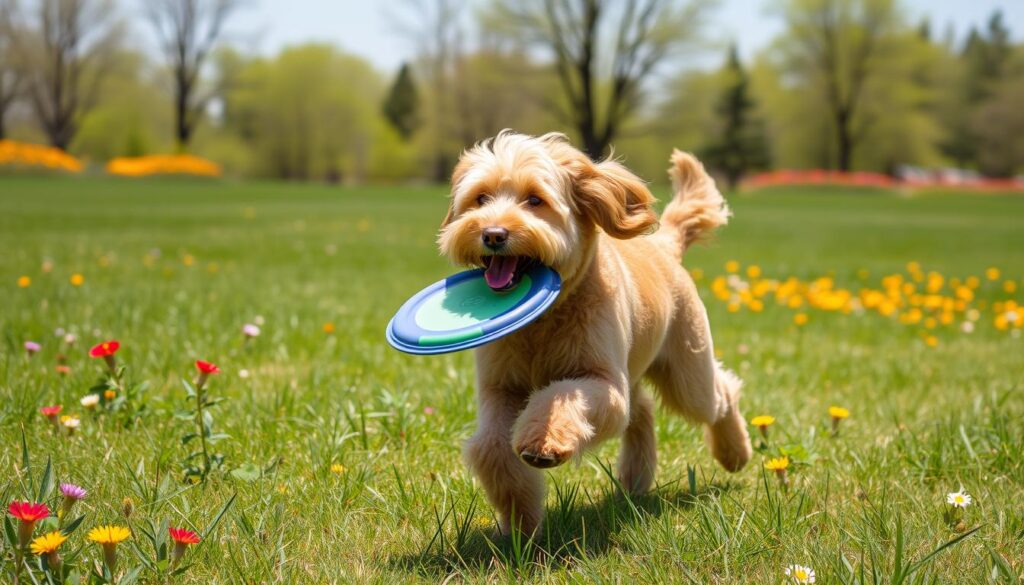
401	108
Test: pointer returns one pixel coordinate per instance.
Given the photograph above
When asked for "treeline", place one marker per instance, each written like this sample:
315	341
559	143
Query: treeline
848	85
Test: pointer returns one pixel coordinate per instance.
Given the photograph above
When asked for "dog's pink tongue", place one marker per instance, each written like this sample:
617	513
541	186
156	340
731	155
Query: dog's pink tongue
500	271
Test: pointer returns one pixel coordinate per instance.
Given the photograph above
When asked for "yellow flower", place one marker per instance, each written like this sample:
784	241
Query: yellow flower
109	394
77	279
188	260
1009	286
732	266
753	271
931	341
109	534
777	464
24	282
328	328
48	542
697	274
800	319
337	468
838	412
992	273
763	420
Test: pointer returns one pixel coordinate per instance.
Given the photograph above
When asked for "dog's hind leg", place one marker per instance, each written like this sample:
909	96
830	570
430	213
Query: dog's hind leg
692	383
639	454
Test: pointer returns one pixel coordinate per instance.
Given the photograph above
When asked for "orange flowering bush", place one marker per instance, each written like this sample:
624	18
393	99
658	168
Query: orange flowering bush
23	154
163	164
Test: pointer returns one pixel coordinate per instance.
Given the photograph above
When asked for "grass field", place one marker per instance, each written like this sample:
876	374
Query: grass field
347	453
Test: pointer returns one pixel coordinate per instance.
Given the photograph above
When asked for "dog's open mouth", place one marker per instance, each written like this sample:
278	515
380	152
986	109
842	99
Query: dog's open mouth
503	273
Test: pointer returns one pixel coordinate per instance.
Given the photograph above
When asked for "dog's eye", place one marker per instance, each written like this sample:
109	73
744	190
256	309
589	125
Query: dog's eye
534	201
482	199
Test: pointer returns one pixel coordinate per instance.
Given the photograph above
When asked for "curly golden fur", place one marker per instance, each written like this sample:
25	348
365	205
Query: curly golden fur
628	311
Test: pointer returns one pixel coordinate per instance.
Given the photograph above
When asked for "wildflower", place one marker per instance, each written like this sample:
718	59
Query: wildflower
127	507
182	539
205	369
48	544
77	279
800	319
931	341
328	328
960	499
243	373
109	537
779	465
967	327
106	350
24	282
90	401
52	412
250	330
428	410
29	513
109	395
70	338
762	423
62	369
71	423
337	468
732	266
753	271
838	413
72	493
800	574
992	273
32	348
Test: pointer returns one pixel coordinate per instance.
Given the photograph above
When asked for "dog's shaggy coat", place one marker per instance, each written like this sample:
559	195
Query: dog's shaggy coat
628	311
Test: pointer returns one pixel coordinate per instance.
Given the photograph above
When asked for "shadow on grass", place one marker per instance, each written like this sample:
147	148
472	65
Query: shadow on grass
578	525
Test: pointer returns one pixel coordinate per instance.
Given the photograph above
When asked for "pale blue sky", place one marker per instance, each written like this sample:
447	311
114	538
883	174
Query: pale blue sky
363	26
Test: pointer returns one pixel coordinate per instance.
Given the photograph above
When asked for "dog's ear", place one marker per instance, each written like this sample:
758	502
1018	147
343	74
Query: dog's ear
615	199
460	171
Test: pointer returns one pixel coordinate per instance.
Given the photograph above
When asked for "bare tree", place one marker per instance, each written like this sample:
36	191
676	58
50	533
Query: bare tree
11	76
840	43
603	52
188	31
67	47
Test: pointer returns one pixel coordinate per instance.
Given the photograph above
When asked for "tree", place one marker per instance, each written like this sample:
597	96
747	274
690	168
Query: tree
740	145
401	108
11	76
66	55
632	36
188	31
837	46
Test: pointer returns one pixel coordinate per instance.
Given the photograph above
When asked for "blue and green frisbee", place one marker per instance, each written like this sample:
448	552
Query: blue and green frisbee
462	311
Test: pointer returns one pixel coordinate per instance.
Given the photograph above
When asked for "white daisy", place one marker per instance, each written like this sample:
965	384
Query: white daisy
250	330
90	400
800	574
960	499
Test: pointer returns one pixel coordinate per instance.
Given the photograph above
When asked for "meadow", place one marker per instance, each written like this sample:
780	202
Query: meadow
341	457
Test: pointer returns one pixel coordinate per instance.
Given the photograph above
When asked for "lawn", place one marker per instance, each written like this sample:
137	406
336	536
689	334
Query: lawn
342	456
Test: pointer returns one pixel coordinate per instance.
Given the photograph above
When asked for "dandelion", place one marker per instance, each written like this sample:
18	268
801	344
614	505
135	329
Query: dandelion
72	494
52	413
800	574
337	468
779	465
732	266
205	369
250	330
931	341
960	499
800	319
89	401
71	423
109	395
77	279
24	282
762	423
32	348
992	273
328	328
838	413
106	350
29	513
48	544
182	539
109	537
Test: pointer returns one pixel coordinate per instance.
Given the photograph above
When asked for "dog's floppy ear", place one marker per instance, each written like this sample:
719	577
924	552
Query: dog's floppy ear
615	199
457	174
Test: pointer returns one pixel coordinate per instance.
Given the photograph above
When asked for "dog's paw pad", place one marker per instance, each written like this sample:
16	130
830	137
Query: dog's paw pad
542	460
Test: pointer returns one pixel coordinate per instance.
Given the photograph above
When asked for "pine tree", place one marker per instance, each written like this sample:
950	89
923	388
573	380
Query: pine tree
401	108
740	146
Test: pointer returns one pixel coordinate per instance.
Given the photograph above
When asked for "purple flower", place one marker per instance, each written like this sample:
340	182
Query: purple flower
428	410
250	330
73	491
32	347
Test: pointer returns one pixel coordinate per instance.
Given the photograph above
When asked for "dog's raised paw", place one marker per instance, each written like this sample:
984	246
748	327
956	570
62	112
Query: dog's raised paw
542	460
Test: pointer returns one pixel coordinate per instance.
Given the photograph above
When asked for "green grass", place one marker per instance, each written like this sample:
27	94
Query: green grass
866	506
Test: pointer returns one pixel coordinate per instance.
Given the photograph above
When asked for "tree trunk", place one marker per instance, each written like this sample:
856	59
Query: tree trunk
844	141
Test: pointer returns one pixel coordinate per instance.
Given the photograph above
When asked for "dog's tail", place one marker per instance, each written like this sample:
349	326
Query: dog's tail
697	208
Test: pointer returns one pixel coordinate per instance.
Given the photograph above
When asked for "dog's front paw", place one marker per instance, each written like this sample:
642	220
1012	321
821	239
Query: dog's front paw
549	442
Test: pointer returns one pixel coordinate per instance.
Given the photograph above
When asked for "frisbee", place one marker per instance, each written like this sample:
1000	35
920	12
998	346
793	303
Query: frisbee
462	312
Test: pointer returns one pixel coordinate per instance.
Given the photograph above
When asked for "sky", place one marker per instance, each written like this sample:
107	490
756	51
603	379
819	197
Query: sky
364	27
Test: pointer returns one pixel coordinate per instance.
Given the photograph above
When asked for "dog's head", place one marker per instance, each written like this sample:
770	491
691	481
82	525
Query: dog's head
520	199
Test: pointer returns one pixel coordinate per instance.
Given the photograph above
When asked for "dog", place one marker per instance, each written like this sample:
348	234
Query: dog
627	312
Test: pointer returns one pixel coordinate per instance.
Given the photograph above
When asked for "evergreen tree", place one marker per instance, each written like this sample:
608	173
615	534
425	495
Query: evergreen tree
401	107
740	145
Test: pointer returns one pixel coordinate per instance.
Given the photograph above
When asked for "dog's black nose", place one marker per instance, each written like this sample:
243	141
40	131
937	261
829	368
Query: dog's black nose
495	237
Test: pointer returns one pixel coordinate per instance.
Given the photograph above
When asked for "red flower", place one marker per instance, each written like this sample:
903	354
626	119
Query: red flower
28	512
107	348
182	536
51	410
207	367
